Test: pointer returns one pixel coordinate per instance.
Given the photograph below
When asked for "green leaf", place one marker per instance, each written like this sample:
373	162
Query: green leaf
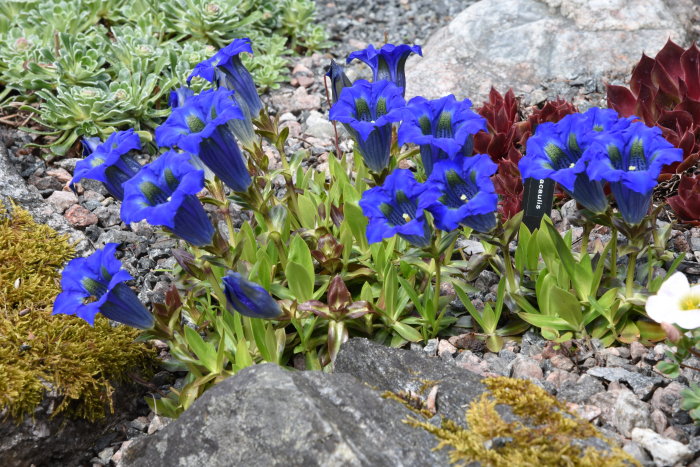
542	321
301	283
243	357
357	222
204	351
566	306
307	212
300	253
407	332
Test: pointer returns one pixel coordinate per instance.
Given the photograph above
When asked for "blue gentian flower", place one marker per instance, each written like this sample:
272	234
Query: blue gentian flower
461	192
367	110
387	63
339	80
249	298
227	71
179	96
556	151
96	285
397	207
443	128
163	193
200	127
110	162
631	160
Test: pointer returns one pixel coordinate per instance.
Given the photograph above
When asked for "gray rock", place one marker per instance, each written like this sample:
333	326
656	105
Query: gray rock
580	391
469	246
62	200
643	386
636	451
268	416
629	413
13	187
431	347
527	368
398	370
318	126
664	451
534	45
668	399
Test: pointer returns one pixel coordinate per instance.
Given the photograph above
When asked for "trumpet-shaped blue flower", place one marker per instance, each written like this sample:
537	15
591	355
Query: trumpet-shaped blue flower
631	160
339	80
367	110
110	162
397	207
556	151
460	191
387	63
249	298
227	71
200	127
443	128
163	193
96	285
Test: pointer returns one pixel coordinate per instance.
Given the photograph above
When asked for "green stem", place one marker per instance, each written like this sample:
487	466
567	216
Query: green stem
613	254
629	283
508	266
436	296
584	239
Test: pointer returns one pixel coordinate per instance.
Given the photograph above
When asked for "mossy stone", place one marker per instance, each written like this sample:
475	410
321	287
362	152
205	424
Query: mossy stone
42	352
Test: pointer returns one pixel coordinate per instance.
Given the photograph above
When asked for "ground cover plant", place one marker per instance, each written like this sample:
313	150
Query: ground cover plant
86	68
369	248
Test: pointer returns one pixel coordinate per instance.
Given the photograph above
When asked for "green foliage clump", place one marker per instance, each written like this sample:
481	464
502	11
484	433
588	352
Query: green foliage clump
40	352
98	66
546	433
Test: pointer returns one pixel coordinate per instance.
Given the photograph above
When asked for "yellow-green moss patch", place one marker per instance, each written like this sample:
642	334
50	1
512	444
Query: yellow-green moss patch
39	351
545	435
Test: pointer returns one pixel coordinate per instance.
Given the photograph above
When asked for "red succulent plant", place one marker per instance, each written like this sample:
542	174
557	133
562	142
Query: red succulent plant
505	141
686	203
665	91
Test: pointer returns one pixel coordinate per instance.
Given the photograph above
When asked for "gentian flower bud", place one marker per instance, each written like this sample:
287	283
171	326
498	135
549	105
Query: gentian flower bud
631	160
339	80
200	127
556	151
461	192
368	110
387	63
227	71
249	298
163	193
110	162
443	128
397	207
96	285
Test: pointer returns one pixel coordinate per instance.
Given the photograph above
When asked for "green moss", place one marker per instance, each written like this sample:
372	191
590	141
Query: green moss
544	435
62	353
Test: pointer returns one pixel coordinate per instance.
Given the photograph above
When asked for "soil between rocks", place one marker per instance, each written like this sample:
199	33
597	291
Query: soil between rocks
591	381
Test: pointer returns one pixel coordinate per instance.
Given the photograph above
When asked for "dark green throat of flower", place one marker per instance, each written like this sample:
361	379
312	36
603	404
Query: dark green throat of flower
637	159
195	124
362	110
457	190
559	159
153	193
95	288
402	211
444	126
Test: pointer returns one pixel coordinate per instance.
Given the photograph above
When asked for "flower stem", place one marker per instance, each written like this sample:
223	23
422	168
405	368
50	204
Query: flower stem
629	283
613	254
508	266
587	228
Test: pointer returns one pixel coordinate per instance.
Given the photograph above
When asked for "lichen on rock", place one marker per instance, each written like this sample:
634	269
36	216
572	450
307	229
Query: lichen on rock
43	353
545	433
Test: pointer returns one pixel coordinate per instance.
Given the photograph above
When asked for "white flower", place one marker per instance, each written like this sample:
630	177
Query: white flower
676	302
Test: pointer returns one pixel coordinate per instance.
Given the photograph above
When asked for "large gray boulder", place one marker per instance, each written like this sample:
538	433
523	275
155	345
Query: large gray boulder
543	47
269	416
13	188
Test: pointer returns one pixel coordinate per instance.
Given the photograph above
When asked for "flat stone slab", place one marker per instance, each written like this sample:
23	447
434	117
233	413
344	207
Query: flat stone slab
552	45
